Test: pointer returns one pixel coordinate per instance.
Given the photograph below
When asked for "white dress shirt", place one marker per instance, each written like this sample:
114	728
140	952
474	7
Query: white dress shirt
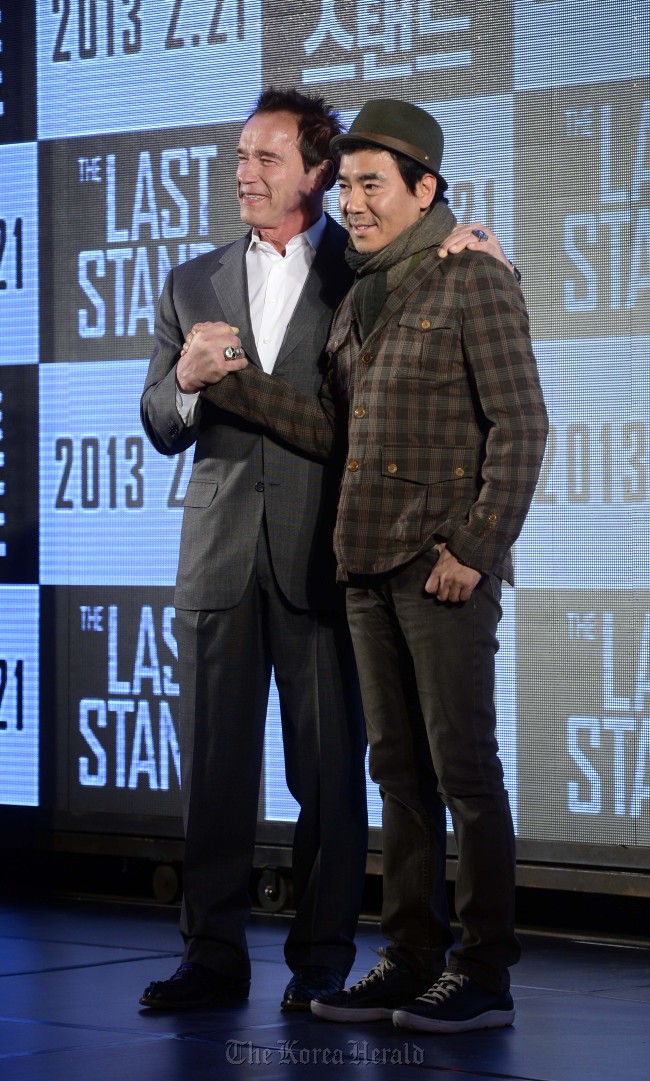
275	283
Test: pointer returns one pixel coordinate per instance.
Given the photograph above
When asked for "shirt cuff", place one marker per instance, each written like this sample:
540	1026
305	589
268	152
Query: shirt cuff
186	404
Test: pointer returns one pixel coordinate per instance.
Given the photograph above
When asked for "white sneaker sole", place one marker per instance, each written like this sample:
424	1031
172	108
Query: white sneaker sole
346	1013
489	1019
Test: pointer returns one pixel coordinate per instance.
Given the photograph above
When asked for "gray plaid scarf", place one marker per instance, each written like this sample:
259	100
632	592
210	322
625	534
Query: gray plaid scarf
380	272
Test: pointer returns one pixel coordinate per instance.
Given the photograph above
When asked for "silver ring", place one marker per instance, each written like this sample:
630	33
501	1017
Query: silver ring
233	352
480	233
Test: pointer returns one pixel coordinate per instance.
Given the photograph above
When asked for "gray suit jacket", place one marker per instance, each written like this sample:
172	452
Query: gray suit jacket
239	470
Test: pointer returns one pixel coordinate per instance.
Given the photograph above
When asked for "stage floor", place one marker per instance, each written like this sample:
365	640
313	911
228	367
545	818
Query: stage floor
71	975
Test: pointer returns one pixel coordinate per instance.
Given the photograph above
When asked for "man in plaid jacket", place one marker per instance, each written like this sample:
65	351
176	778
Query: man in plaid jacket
433	401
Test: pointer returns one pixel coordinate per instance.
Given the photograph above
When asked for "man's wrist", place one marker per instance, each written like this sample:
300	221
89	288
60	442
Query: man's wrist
180	387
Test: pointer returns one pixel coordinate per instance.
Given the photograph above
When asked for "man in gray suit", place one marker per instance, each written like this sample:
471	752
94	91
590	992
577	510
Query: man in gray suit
255	588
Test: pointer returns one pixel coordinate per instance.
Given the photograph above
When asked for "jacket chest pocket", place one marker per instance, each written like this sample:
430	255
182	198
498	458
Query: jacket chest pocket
427	346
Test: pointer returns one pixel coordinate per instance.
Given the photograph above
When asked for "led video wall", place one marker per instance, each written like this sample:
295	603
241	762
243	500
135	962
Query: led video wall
119	121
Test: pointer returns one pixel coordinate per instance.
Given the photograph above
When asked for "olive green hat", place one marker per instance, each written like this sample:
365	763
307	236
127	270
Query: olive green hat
398	126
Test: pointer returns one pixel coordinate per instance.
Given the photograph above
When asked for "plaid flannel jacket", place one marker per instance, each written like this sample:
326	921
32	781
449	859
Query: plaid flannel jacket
440	411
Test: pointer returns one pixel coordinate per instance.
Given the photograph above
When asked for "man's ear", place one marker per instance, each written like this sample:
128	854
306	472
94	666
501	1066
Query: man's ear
325	174
426	190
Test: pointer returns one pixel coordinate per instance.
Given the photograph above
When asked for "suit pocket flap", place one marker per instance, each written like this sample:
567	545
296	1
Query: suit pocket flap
200	493
428	465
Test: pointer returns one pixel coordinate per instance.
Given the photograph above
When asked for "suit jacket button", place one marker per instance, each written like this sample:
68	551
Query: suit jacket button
353	465
259	486
360	412
460	472
425	324
391	468
366	358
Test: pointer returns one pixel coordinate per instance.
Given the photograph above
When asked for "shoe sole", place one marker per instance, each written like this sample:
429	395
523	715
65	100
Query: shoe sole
417	1023
348	1013
295	1007
194	1004
153	1004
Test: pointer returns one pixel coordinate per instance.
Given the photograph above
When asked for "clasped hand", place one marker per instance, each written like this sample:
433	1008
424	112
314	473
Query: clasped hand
202	361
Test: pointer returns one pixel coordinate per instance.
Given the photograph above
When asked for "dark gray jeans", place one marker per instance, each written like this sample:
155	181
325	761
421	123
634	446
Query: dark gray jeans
427	680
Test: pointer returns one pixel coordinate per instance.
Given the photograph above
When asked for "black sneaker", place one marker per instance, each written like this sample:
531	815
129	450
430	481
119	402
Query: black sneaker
456	1003
376	996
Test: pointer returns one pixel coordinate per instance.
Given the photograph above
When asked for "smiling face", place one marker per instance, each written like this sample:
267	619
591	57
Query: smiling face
375	203
276	195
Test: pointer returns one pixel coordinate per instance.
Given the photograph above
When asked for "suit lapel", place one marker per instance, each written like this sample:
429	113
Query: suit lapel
324	288
231	289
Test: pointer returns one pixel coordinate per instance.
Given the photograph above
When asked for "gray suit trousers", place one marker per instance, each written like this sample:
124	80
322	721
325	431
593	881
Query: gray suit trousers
225	662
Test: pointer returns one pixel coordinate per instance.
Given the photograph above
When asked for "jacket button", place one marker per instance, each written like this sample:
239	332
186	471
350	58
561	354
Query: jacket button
353	465
425	324
259	486
391	468
366	358
360	412
460	472
492	517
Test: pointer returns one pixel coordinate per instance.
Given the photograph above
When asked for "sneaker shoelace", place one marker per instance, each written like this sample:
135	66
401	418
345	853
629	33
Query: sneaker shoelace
445	987
379	972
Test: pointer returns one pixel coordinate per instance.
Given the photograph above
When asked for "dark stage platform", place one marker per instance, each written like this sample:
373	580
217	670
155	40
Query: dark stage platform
71	974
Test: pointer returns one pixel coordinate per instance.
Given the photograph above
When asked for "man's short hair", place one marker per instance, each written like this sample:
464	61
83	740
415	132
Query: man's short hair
318	122
410	170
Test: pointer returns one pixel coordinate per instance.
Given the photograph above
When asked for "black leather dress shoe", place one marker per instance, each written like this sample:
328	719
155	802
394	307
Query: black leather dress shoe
194	985
310	981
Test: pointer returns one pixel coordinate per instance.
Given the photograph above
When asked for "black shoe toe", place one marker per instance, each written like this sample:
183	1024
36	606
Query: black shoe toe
308	982
191	986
